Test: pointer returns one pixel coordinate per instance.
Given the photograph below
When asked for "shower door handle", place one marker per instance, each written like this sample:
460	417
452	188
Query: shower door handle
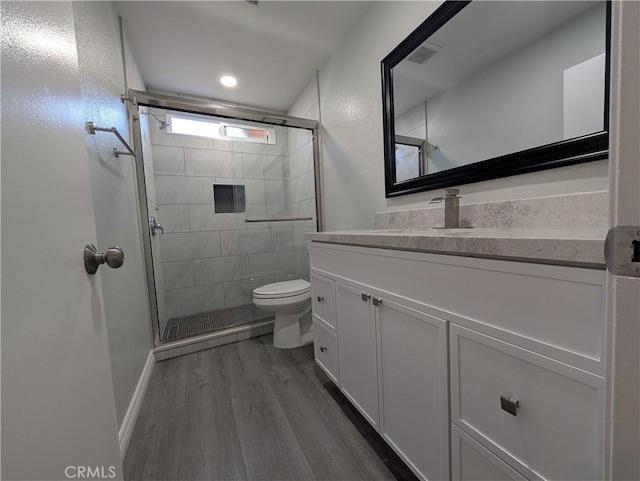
154	226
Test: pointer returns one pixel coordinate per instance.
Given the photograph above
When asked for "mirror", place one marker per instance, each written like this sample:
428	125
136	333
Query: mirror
483	90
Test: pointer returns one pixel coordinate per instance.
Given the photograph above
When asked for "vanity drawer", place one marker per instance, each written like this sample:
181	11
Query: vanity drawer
325	349
555	430
470	461
323	301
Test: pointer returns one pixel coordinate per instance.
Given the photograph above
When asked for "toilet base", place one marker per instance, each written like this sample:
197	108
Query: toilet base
292	330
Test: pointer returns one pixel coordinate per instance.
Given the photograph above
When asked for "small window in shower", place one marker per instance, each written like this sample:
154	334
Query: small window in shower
246	133
184	125
228	198
218	128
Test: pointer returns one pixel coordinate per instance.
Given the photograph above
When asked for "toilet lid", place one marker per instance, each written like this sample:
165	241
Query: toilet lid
282	289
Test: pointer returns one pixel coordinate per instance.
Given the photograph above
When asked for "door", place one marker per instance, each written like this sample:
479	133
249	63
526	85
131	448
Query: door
357	347
414	389
622	436
58	411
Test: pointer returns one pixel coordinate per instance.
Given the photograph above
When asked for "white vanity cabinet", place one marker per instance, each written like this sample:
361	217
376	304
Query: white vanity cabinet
393	367
471	368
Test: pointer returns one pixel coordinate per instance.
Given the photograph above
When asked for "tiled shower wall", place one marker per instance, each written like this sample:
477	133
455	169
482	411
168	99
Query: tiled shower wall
212	261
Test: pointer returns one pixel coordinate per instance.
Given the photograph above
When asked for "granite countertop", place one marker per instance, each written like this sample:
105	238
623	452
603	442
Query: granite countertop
576	247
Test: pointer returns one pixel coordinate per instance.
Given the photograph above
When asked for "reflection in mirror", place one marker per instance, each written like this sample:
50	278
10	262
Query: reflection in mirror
409	157
499	78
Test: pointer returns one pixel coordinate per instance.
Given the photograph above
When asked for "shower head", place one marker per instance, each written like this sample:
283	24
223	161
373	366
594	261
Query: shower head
161	123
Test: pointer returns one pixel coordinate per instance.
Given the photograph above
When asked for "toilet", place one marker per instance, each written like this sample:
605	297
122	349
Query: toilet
290	301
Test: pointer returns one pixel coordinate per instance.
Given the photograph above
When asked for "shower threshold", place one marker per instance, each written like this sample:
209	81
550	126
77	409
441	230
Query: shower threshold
212	321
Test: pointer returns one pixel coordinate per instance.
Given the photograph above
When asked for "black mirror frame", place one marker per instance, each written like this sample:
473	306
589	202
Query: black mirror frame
559	154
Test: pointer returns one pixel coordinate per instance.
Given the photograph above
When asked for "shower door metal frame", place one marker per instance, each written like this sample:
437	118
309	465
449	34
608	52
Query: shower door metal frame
215	109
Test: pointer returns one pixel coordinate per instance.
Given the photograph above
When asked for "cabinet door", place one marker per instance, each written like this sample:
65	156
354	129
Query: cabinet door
414	392
357	350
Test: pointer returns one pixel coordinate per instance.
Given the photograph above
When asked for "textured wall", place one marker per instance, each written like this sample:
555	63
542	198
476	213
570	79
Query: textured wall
115	200
351	106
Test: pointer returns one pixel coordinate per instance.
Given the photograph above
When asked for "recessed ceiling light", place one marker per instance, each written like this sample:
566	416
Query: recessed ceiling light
228	81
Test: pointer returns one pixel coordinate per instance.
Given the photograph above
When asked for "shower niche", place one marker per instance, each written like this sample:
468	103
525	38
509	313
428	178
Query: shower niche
228	199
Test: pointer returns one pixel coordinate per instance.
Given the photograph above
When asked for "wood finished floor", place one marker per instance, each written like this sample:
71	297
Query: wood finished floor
248	411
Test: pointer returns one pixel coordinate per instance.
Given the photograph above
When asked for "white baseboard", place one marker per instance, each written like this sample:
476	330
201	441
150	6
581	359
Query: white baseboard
134	406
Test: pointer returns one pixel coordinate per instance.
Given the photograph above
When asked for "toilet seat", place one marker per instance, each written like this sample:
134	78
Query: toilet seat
280	290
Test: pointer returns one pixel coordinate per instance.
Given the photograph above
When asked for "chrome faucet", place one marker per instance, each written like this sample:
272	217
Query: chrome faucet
451	208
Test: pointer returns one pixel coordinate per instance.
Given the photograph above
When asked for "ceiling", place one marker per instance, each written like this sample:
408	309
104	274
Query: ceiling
273	49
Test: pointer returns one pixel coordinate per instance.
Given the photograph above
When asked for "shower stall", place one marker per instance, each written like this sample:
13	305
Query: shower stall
229	194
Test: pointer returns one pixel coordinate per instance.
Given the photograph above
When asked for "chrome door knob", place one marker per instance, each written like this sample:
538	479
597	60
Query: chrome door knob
113	257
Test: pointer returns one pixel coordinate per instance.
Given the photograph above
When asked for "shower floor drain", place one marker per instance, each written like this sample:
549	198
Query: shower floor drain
211	321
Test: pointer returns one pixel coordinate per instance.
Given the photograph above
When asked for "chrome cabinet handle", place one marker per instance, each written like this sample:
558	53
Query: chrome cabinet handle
323	349
113	257
510	405
365	297
320	299
154	226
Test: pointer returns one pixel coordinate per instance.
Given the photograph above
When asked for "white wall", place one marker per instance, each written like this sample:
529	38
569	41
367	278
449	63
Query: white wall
352	147
114	190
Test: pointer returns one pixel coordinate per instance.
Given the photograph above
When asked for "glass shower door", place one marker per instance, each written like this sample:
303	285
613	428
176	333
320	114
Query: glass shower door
279	183
227	207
